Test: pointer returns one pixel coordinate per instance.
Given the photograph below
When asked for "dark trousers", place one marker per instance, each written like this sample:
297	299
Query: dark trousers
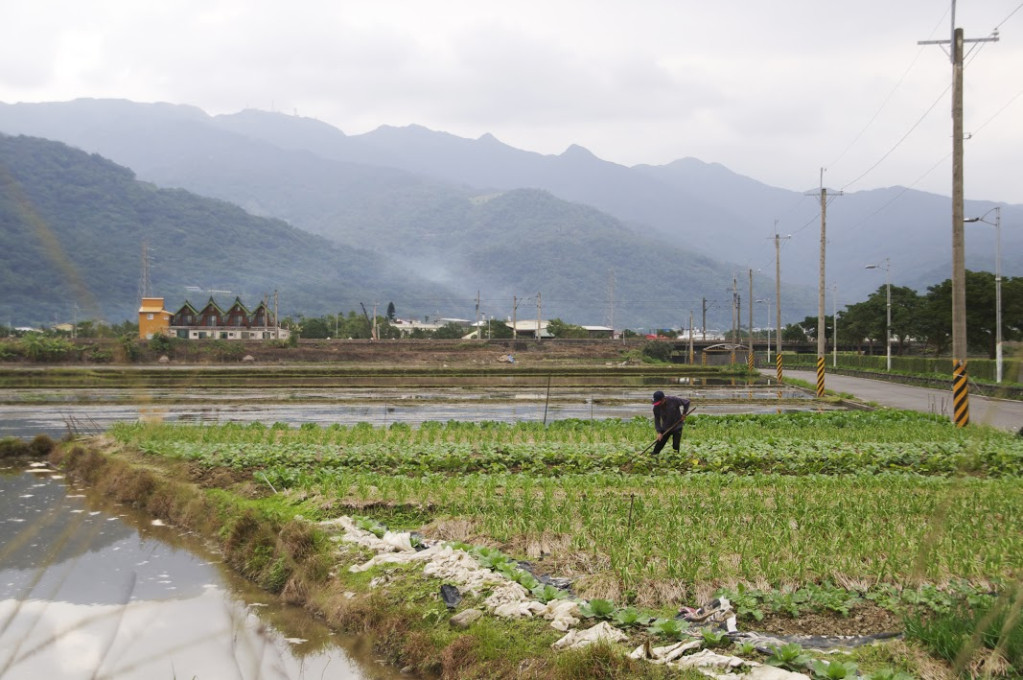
676	440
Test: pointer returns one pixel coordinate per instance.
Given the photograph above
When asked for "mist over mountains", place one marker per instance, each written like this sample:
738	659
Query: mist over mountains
431	221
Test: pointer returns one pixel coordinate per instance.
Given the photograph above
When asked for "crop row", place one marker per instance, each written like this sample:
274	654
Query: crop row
773	501
779	456
727	529
847	426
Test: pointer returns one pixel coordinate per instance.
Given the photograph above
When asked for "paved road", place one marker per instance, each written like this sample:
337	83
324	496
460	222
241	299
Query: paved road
1001	413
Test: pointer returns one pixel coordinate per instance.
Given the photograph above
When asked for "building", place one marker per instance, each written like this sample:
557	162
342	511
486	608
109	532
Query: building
528	327
210	321
599	331
153	318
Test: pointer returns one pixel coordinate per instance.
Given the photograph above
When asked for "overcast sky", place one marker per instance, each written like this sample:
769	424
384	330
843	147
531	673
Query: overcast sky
772	90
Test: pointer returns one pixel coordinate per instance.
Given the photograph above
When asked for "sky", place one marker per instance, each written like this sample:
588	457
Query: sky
790	93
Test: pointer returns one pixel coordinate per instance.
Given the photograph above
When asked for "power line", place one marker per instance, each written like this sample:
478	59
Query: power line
901	139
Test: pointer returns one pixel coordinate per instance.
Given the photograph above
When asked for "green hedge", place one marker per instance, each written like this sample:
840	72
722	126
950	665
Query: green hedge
978	369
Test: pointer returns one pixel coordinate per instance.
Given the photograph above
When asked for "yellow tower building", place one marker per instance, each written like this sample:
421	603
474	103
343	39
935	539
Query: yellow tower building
153	318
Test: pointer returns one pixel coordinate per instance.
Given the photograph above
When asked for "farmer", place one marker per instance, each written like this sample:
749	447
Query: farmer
669	417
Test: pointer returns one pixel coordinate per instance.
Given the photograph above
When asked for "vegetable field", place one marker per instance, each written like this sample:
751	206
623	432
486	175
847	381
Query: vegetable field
862	503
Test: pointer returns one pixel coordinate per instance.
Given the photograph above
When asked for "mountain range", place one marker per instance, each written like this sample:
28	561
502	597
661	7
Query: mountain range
435	222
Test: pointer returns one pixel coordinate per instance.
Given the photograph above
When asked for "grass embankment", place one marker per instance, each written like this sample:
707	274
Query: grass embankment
815	523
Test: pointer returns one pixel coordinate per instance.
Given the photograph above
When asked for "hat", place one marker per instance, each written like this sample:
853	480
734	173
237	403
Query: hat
658	395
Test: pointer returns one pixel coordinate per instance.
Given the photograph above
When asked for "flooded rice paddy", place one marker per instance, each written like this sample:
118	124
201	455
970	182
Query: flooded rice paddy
25	412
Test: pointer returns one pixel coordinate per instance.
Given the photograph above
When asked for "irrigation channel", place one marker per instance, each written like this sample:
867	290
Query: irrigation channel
89	590
93	590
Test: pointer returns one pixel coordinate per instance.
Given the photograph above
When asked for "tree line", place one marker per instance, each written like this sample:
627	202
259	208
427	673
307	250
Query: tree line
922	323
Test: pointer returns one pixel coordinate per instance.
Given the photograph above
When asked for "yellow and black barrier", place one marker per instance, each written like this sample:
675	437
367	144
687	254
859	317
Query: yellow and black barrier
960	394
820	377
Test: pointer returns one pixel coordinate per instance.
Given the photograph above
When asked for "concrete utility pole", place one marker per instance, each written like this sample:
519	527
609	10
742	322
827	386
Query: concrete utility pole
777	296
821	291
539	307
611	301
735	309
749	356
691	354
479	328
704	322
515	325
960	390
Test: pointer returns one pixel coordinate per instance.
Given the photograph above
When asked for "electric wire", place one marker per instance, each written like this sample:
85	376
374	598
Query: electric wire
901	139
884	104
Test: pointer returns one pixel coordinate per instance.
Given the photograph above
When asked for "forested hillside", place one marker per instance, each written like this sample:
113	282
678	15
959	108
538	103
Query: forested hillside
73	227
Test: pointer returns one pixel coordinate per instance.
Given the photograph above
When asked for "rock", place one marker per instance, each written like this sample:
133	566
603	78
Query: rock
248	357
464	619
164	359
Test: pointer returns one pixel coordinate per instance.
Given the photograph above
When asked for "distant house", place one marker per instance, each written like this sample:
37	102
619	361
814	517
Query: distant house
529	327
233	323
210	321
408	327
599	331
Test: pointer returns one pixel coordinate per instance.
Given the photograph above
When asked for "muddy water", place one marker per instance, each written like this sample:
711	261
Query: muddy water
27	412
89	590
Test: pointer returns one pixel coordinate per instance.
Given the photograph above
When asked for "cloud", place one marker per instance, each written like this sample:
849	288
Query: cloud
776	89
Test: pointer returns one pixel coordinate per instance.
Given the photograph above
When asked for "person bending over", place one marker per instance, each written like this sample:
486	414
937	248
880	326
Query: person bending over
669	418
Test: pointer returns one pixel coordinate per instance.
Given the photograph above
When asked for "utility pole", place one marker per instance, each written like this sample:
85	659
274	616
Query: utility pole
691	354
515	326
479	328
704	322
777	296
821	288
539	307
611	301
749	355
960	389
735	308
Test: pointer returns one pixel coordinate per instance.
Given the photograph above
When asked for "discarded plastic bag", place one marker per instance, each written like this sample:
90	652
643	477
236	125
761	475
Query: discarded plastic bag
577	639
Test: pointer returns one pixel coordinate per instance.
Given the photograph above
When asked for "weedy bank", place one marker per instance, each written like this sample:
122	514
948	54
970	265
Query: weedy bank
837	522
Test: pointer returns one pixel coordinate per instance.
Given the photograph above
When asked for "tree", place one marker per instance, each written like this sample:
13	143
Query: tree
316	327
498	329
808	328
980	313
449	331
868	320
560	329
390	311
794	333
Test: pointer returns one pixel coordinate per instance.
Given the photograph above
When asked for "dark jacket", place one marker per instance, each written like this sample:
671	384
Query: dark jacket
668	413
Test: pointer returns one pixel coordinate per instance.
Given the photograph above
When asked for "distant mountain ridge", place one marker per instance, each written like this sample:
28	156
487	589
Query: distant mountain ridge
689	229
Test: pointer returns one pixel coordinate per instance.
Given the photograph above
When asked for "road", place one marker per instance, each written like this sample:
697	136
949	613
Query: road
1003	414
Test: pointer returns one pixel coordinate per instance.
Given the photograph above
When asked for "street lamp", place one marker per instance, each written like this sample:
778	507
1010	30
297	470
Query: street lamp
998	283
834	325
888	321
767	301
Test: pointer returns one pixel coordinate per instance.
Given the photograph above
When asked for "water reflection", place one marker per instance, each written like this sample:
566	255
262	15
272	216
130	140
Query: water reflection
28	412
83	594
